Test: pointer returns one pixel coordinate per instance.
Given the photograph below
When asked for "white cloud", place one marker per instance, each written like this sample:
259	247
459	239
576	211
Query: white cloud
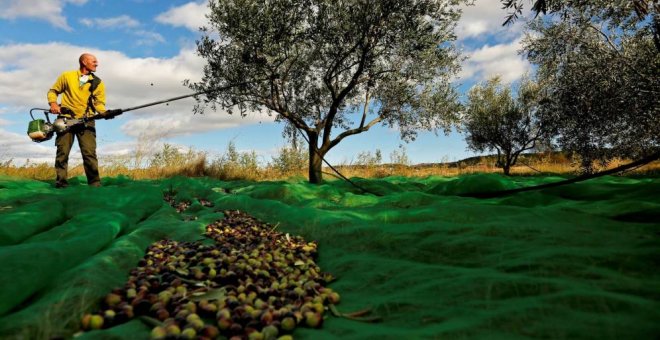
120	22
147	38
19	148
176	124
191	16
492	49
501	59
129	82
484	19
124	153
127	24
127	79
47	10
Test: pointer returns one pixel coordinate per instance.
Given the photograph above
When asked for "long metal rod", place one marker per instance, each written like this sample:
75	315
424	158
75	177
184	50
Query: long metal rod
185	96
163	101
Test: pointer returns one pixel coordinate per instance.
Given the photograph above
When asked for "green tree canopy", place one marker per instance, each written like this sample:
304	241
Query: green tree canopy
602	72
496	120
332	68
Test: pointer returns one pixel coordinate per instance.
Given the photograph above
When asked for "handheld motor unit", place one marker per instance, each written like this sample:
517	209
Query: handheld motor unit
40	130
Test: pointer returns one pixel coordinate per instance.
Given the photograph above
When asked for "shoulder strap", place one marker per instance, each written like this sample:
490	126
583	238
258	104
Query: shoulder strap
95	81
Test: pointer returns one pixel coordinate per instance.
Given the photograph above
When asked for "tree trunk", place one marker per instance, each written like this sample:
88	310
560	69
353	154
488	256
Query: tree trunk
315	161
507	168
315	166
506	165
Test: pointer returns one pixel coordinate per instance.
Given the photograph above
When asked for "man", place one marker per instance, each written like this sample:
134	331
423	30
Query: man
83	95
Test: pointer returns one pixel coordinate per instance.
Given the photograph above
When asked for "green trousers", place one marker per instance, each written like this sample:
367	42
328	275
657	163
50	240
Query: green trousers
87	142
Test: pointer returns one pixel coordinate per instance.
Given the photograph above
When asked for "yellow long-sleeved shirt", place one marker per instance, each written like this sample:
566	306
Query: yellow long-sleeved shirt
75	96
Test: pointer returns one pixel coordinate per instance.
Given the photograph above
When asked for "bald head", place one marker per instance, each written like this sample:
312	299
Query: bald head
88	63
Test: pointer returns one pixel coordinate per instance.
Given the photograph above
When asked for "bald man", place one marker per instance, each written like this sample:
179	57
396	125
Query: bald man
82	96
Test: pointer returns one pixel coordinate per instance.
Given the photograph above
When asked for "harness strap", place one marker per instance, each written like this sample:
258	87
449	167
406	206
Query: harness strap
95	81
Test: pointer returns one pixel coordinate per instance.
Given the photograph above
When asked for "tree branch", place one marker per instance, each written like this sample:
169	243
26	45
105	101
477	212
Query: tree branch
329	74
353	132
295	120
332	112
365	109
609	42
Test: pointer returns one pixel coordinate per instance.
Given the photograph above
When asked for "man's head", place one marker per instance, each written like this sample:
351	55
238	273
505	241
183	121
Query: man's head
88	63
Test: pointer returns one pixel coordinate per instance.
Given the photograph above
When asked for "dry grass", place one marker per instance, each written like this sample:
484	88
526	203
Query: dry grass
246	168
381	171
540	164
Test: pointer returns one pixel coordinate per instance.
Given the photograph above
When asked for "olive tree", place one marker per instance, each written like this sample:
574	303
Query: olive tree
646	11
333	68
495	119
602	71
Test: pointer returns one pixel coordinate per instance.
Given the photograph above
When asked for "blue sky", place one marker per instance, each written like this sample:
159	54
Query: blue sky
146	48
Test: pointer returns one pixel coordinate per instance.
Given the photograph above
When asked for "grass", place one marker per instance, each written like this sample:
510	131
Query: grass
245	166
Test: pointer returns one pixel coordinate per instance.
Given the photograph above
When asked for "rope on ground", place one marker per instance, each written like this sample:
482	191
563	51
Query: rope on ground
529	166
331	174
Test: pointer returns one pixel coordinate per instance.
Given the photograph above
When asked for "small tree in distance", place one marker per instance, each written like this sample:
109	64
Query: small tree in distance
495	120
333	69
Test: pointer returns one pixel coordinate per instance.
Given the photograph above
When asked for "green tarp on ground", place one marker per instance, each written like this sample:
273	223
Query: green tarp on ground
579	261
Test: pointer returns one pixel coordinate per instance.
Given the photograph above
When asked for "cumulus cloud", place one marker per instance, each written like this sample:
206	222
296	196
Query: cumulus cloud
147	38
127	24
129	82
166	126
47	10
120	22
484	20
125	153
191	16
18	148
491	49
501	59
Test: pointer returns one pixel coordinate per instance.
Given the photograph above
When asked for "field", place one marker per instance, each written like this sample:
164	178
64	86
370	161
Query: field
578	261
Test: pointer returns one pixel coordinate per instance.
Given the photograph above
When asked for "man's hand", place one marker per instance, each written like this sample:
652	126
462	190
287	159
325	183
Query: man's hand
110	114
54	108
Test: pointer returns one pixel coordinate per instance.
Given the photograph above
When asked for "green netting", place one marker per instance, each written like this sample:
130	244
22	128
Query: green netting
579	261
26	220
